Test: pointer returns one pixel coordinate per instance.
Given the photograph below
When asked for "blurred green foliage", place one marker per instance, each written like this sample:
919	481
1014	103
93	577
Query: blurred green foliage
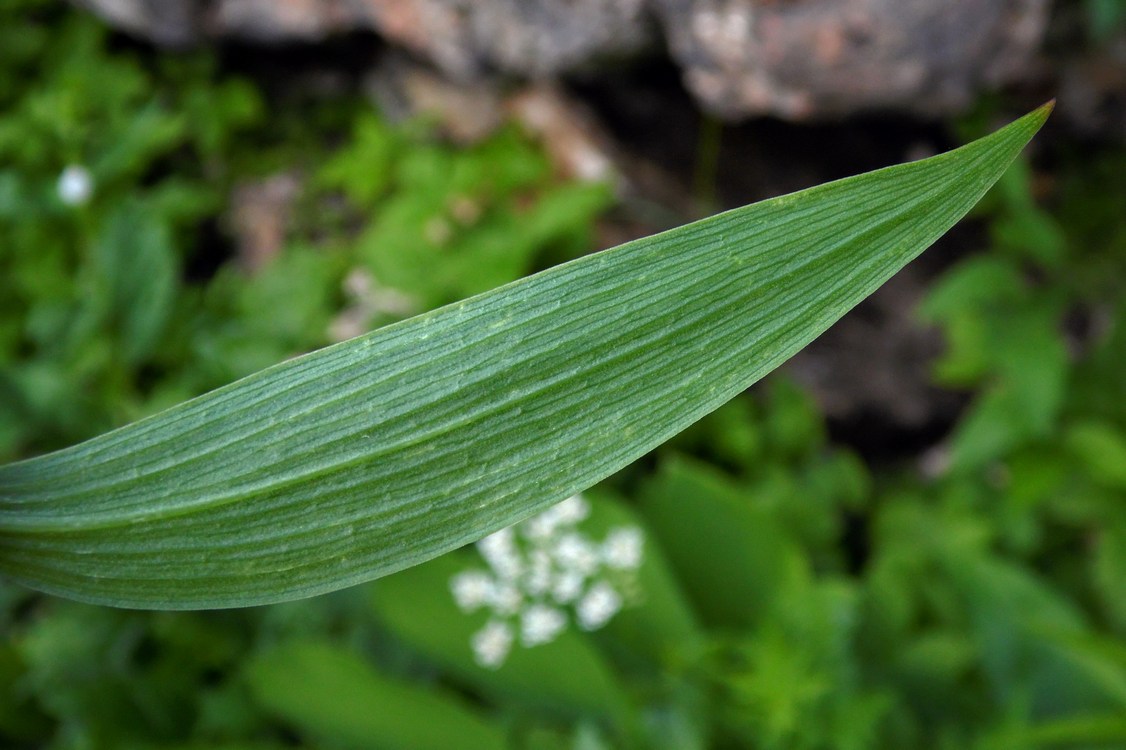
793	597
99	324
88	292
1104	17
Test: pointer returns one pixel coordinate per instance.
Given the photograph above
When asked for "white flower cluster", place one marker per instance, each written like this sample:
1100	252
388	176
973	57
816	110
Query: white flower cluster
538	569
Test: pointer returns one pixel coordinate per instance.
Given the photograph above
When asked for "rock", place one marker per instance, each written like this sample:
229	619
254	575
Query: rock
798	59
533	38
279	20
172	23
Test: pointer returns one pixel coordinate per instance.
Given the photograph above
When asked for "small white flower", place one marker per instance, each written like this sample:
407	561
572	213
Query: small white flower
596	608
622	548
541	624
506	598
498	543
538	579
576	554
541	527
572	510
499	550
472	589
568	587
492	643
75	185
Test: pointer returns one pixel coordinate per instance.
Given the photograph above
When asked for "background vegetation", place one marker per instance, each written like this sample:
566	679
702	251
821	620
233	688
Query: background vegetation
792	595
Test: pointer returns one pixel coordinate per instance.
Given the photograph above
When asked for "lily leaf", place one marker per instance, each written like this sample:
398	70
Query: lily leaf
389	449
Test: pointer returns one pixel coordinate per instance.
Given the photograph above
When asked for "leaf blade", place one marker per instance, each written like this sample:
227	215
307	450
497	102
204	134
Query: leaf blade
386	450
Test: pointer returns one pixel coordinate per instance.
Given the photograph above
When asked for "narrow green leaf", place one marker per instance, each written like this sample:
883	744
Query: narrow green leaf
1094	730
331	693
731	557
389	449
135	263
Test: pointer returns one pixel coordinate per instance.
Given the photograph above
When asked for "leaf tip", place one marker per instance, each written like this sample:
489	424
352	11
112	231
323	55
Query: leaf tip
1031	123
1040	114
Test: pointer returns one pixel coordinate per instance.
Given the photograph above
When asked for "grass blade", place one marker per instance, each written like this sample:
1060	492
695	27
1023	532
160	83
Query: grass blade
389	449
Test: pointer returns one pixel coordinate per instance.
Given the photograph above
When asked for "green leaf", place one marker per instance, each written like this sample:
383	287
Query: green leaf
1108	571
389	449
1102	451
1091	730
135	262
1025	401
332	694
731	557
